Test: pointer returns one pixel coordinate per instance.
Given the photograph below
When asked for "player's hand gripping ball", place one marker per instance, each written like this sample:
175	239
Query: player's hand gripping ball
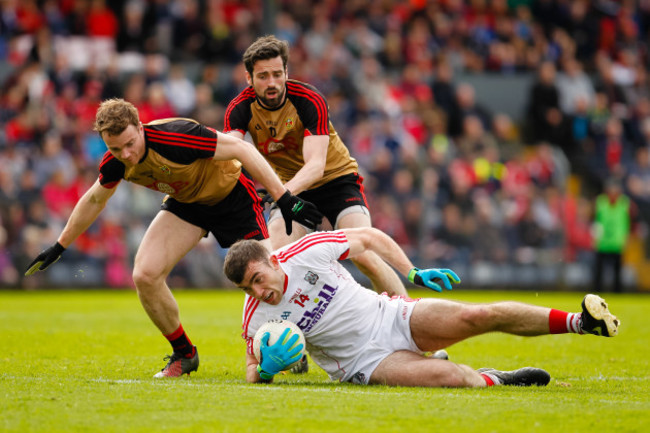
275	328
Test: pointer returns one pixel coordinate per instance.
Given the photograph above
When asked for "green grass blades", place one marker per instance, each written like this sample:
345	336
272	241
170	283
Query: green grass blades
84	361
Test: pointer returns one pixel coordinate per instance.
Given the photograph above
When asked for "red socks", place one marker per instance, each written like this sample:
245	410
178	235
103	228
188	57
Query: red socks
488	380
561	322
181	342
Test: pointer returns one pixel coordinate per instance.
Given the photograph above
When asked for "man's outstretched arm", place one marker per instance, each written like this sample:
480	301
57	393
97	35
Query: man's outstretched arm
369	238
85	212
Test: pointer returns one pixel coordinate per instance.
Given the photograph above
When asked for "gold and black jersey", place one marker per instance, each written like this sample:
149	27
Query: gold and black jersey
279	133
178	161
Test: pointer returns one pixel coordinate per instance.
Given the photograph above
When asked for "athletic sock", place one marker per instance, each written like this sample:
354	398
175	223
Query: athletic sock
490	379
181	342
561	322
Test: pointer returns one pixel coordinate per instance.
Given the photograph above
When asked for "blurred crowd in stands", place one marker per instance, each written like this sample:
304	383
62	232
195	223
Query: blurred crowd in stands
454	182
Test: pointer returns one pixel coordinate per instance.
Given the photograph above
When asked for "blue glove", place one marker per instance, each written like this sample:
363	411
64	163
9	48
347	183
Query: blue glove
278	357
427	277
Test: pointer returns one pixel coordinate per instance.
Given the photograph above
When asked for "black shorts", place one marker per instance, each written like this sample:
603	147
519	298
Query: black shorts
239	215
336	195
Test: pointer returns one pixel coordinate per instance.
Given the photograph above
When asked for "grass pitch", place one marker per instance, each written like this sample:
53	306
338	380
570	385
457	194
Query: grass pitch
84	360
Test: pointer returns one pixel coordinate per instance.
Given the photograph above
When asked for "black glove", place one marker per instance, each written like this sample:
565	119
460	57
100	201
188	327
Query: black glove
45	259
295	208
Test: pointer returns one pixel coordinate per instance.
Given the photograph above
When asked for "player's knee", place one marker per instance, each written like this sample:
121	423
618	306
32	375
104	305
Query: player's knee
478	318
144	277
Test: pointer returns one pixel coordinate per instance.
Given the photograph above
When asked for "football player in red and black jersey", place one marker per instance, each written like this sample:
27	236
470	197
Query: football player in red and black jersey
202	173
288	121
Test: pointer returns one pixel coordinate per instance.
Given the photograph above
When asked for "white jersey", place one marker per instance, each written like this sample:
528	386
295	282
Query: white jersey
338	316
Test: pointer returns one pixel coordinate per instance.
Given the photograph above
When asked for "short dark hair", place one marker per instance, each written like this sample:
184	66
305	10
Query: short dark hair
264	48
114	116
240	254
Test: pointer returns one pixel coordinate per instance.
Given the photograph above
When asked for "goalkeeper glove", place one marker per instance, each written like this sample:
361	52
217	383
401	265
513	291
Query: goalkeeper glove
45	259
275	358
427	277
295	208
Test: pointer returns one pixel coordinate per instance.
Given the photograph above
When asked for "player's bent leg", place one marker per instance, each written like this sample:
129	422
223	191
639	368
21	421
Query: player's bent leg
439	323
405	368
165	242
381	275
278	233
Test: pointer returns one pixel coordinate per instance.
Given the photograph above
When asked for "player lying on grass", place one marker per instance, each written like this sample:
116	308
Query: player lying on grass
359	336
200	170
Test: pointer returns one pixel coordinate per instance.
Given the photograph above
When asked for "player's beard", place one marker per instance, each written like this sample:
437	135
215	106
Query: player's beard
275	102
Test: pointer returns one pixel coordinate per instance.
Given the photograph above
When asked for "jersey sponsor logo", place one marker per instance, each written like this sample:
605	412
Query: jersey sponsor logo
285	315
173	188
289	123
165	169
271	145
311	277
165	187
311	317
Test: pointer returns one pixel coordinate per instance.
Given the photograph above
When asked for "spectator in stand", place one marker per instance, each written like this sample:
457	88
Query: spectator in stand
637	183
613	152
452	241
507	136
101	20
60	194
134	33
53	158
188	31
573	84
180	90
9	275
577	215
474	140
488	244
467	106
582	26
546	120
607	85
157	104
442	87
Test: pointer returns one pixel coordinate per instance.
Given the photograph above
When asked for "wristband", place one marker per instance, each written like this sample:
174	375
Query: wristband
412	273
266	377
415	278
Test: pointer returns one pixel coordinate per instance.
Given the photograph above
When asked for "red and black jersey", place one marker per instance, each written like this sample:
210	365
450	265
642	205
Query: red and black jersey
279	133
178	161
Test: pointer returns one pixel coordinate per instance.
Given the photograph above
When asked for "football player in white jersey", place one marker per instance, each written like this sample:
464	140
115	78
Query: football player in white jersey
360	336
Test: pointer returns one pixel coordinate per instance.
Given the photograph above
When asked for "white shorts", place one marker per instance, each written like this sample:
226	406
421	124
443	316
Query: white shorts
392	334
